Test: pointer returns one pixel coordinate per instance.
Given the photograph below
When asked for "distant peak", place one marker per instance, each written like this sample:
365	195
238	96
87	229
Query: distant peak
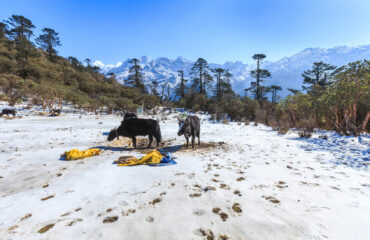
103	66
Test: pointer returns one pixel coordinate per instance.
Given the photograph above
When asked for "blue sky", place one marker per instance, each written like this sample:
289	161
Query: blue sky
217	30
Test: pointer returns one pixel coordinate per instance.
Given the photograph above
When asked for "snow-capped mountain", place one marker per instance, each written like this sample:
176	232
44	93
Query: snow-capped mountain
286	72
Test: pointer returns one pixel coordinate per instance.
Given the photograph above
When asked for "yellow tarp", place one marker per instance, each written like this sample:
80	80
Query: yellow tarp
75	154
153	157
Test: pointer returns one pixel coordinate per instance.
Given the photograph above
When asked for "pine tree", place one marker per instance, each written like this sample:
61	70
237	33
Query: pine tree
259	74
153	88
3	29
73	61
274	90
135	77
201	76
318	77
218	73
88	62
252	89
225	86
48	41
208	79
20	31
180	90
112	77
20	28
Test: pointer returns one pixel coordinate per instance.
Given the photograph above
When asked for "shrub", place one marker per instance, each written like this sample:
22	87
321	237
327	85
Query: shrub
306	127
273	124
283	126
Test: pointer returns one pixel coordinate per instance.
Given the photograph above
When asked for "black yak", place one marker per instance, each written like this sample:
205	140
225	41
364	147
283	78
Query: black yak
132	127
55	111
130	115
189	127
8	111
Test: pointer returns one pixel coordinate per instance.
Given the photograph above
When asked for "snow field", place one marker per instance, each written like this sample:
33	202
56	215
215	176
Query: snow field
257	185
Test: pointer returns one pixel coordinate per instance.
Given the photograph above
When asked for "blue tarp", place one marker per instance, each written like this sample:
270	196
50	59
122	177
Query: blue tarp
167	160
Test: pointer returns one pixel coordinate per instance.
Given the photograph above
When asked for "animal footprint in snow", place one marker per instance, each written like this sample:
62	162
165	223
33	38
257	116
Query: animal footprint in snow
216	210
110	219
198	212
281	184
236	208
74	221
46	228
271	199
65	214
11	229
197	186
223	216
48	197
149	219
208	234
240	179
193	195
237	192
28	215
192	175
223	237
224	186
128	212
155	201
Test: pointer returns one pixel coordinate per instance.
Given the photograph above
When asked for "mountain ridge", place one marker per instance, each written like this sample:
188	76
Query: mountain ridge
286	71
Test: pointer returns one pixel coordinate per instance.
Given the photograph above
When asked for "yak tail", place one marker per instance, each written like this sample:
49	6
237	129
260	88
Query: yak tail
158	133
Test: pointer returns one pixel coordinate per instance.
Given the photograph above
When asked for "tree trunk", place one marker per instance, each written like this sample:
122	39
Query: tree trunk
258	80
366	120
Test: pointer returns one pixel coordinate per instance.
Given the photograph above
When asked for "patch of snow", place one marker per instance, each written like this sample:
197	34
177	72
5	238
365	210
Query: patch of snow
285	187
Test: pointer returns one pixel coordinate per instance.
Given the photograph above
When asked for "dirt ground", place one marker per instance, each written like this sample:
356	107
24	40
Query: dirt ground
165	146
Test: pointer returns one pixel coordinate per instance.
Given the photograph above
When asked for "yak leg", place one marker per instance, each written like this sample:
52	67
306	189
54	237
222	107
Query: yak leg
150	140
198	138
193	140
187	142
157	140
134	141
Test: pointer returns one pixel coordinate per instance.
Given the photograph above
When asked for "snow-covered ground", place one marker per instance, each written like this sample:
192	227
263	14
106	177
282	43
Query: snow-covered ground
257	185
